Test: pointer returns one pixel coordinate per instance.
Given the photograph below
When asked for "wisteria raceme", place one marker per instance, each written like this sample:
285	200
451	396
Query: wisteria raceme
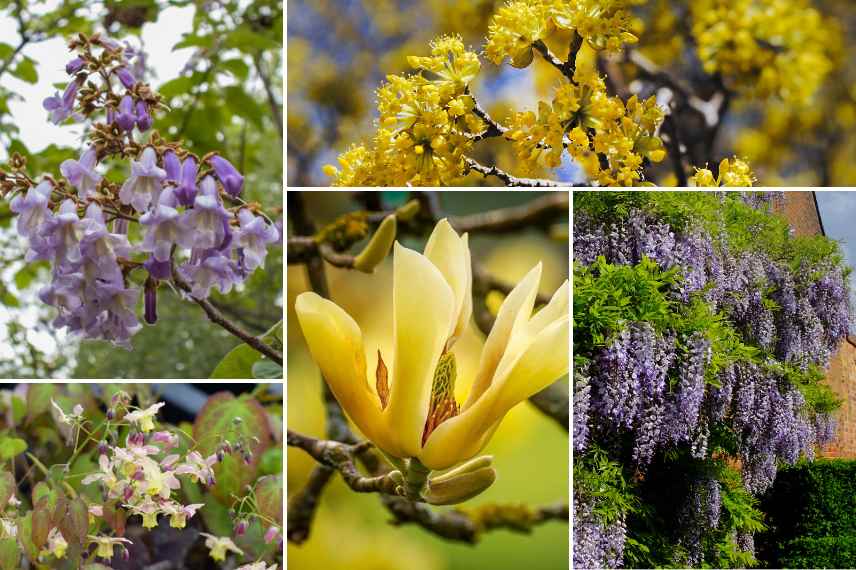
596	545
582	391
189	208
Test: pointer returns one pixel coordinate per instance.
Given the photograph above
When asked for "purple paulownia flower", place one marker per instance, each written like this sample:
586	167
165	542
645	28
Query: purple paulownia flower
228	175
62	234
172	166
164	227
186	191
253	238
144	185
81	173
204	222
32	208
125	117
209	269
100	247
150	302
160	270
61	108
126	77
144	118
111	315
74	65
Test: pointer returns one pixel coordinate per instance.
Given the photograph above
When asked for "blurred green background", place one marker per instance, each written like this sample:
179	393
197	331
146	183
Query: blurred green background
530	451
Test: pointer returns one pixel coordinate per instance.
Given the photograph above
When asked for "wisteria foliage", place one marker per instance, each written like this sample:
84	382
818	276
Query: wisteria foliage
658	388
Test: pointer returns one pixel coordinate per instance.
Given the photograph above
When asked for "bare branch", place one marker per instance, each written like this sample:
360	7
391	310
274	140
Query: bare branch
510	180
563	67
538	212
553	401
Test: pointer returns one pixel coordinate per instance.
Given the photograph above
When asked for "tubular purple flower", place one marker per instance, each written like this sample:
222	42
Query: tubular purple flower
172	166
204	222
210	270
63	232
253	238
81	173
144	118
61	108
150	301
161	270
126	118
126	77
144	185
100	247
186	191
229	176
164	228
32	208
74	65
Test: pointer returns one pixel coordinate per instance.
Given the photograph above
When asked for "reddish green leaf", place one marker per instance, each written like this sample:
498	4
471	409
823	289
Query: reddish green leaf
269	497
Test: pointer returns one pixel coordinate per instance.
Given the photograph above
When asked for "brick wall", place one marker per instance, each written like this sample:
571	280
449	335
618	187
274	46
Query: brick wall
800	209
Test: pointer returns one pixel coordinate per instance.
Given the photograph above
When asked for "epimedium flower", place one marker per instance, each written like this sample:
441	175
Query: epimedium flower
81	173
412	415
144	185
105	545
199	468
32	208
145	418
218	546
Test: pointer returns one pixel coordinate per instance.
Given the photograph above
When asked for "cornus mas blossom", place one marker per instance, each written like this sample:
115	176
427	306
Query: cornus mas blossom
196	230
411	412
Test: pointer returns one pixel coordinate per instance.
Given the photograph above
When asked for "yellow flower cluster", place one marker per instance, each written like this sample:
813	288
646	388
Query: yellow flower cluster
604	24
608	138
765	48
732	172
426	124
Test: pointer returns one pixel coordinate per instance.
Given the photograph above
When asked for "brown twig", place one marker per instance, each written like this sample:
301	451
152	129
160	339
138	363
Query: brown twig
216	317
538	212
275	108
551	58
553	401
510	180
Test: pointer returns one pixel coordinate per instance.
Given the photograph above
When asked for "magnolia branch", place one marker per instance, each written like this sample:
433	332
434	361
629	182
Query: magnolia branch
539	212
216	317
459	525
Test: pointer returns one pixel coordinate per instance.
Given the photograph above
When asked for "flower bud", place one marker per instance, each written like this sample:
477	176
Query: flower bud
462	483
125	554
378	247
126	118
220	456
408	211
241	527
172	165
102	448
74	65
111	414
150	301
126	77
271	534
144	118
230	178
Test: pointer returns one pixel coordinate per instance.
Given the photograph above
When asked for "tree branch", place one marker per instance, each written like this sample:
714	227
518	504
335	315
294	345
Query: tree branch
563	66
553	401
275	108
510	180
216	317
538	212
457	525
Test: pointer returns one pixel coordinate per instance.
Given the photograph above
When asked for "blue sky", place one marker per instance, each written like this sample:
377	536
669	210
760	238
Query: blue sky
838	211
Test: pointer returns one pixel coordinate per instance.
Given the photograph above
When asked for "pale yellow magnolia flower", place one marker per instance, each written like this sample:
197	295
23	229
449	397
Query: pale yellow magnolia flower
412	414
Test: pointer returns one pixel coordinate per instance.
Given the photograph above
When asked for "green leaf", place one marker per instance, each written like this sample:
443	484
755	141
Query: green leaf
9	554
237	68
243	104
39	399
269	497
11	447
7	488
26	71
235	419
175	87
266	370
238	363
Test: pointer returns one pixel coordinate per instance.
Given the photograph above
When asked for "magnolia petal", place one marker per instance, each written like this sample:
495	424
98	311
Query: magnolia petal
336	343
514	312
463	436
450	253
422	305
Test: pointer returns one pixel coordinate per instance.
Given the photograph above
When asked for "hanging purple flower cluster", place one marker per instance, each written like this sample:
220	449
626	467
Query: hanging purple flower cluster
699	515
596	545
80	223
